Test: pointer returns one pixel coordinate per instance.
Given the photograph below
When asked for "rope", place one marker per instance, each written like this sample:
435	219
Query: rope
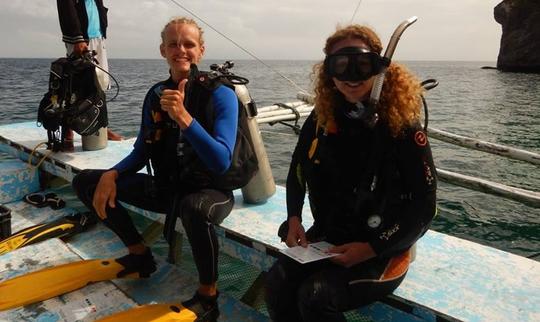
355	11
45	156
239	46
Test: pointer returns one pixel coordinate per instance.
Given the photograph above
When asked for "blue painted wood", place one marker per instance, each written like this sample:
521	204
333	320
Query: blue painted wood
169	284
95	301
381	312
16	180
459	278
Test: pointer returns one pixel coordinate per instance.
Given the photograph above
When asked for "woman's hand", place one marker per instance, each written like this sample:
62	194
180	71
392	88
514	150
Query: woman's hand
105	193
172	102
296	234
352	253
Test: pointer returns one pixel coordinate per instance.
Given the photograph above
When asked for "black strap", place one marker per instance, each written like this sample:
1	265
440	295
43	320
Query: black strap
367	187
296	128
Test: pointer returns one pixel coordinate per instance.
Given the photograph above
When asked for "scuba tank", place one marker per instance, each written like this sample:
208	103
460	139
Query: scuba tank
262	185
95	141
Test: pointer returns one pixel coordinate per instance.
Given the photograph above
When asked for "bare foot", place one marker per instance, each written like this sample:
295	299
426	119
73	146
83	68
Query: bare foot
113	136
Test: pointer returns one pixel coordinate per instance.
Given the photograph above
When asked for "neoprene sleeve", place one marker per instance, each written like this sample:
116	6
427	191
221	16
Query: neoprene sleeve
214	149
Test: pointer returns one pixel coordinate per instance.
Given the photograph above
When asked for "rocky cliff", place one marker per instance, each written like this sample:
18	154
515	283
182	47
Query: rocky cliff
520	41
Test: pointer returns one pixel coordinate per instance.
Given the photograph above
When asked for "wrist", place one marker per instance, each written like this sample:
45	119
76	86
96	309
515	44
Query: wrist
113	174
295	220
184	120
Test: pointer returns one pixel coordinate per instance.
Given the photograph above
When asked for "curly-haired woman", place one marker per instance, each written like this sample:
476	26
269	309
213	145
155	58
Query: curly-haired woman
371	182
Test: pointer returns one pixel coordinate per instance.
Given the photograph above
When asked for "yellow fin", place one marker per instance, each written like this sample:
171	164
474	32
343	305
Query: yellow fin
154	313
29	236
53	281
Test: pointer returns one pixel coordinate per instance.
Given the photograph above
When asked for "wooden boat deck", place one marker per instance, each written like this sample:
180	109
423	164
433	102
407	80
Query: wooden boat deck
451	278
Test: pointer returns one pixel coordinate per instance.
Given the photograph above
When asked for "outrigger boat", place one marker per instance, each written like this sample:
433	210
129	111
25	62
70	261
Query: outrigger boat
451	279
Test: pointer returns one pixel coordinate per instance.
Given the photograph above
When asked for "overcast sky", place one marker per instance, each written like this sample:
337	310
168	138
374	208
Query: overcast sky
270	29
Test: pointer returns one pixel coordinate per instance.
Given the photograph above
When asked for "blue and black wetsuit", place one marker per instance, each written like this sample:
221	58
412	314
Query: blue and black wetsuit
364	186
214	149
208	141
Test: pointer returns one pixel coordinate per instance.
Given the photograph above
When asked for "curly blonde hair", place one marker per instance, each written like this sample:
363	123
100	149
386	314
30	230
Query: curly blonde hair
400	102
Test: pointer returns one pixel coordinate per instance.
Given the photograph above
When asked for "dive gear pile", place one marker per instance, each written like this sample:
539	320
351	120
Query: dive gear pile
75	100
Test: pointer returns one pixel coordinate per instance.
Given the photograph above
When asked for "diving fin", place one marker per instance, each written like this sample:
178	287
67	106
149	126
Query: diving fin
63	227
53	281
155	313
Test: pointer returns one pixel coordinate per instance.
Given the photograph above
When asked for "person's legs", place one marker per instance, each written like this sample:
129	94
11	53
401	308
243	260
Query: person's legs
199	211
98	44
117	219
282	283
130	189
326	294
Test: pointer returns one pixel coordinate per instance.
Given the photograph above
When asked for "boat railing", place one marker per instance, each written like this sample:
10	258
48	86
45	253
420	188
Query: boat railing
295	110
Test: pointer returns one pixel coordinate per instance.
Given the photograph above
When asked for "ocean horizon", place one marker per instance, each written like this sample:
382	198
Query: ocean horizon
487	104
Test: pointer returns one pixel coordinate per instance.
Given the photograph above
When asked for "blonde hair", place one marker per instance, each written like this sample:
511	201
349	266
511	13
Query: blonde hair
183	20
400	102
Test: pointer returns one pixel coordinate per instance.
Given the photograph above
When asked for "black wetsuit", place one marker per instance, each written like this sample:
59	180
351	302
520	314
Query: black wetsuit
339	171
198	204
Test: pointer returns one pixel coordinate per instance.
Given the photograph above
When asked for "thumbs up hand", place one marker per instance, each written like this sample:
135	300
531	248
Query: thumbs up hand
172	102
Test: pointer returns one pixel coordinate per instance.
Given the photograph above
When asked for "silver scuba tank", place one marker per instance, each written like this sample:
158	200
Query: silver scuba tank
95	141
262	185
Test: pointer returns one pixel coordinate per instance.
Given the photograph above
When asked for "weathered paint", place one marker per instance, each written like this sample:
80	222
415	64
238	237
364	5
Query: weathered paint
16	180
98	300
169	284
462	279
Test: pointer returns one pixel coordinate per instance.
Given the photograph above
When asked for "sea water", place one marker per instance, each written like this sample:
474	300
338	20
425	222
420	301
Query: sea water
502	108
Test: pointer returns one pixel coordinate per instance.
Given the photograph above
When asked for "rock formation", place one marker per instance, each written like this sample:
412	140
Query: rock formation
520	41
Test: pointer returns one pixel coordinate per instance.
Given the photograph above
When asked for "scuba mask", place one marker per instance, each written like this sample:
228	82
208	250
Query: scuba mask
354	64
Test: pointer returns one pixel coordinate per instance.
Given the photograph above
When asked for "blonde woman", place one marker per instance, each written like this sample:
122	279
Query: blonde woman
188	132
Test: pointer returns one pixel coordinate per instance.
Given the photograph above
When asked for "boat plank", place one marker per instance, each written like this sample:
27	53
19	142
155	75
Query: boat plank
462	279
168	284
95	301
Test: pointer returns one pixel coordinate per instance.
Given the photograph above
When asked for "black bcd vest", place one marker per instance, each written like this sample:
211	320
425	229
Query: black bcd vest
74	100
174	160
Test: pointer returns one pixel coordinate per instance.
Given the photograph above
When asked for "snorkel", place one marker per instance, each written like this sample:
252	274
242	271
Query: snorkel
370	115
